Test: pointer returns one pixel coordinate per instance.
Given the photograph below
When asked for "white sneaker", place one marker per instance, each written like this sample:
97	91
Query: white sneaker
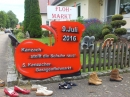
43	92
35	87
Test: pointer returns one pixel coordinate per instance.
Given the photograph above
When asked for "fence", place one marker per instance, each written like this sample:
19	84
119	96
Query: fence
115	56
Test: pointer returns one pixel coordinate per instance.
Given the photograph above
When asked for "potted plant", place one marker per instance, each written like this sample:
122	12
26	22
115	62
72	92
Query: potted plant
125	8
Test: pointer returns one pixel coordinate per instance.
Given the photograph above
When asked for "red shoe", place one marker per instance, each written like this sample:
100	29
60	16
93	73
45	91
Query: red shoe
10	92
20	90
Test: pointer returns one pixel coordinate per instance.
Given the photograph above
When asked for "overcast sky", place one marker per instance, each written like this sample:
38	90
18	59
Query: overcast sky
17	7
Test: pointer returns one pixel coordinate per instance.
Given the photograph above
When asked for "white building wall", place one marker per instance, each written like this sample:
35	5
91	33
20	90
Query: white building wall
44	18
83	3
94	9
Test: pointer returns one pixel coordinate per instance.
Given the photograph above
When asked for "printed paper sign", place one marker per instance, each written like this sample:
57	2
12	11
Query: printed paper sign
61	12
37	60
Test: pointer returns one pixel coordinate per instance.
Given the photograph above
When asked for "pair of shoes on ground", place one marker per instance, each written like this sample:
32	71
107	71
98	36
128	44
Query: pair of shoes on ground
13	92
66	85
94	80
114	76
2	83
41	90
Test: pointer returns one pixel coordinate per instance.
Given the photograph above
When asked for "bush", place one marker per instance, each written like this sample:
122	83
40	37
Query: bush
108	27
111	36
118	23
80	19
117	17
123	22
120	31
20	35
16	31
93	28
45	33
105	31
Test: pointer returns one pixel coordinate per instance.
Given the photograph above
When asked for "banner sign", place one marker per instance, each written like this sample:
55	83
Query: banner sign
61	12
37	60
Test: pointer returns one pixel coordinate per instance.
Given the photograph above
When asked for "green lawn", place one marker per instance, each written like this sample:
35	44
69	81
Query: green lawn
43	40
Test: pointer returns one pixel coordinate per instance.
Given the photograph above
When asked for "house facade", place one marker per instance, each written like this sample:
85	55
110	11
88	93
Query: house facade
101	9
43	9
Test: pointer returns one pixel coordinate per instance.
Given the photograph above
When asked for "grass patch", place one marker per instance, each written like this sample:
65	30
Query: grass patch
45	40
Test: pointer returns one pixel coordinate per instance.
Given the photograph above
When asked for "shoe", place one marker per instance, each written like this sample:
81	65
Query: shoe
65	86
71	83
34	87
96	76
93	80
114	76
20	90
43	92
2	83
120	77
10	92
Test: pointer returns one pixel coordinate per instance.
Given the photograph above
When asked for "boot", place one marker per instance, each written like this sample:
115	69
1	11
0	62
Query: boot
119	75
97	77
115	75
93	80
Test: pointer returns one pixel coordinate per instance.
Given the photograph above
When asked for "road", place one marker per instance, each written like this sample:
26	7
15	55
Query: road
4	41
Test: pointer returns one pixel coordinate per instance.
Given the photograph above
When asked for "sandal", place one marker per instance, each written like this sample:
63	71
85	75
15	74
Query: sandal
71	83
64	86
2	83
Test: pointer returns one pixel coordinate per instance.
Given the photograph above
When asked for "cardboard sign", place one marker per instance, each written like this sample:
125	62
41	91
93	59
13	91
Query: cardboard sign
61	12
37	60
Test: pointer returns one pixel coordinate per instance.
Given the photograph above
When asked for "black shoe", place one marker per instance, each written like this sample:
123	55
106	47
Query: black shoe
71	83
64	86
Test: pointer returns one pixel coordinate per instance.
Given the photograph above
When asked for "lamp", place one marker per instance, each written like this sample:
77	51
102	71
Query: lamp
101	2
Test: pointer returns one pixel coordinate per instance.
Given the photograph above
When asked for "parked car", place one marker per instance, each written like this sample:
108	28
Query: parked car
7	31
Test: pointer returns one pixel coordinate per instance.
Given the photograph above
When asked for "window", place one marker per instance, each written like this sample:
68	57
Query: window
79	10
115	7
111	7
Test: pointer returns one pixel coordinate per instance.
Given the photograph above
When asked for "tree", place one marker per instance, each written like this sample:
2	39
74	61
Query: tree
2	19
27	6
7	21
116	23
35	20
12	18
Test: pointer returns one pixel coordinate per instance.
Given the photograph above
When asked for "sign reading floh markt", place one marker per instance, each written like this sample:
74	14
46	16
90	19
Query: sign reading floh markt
61	12
37	60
